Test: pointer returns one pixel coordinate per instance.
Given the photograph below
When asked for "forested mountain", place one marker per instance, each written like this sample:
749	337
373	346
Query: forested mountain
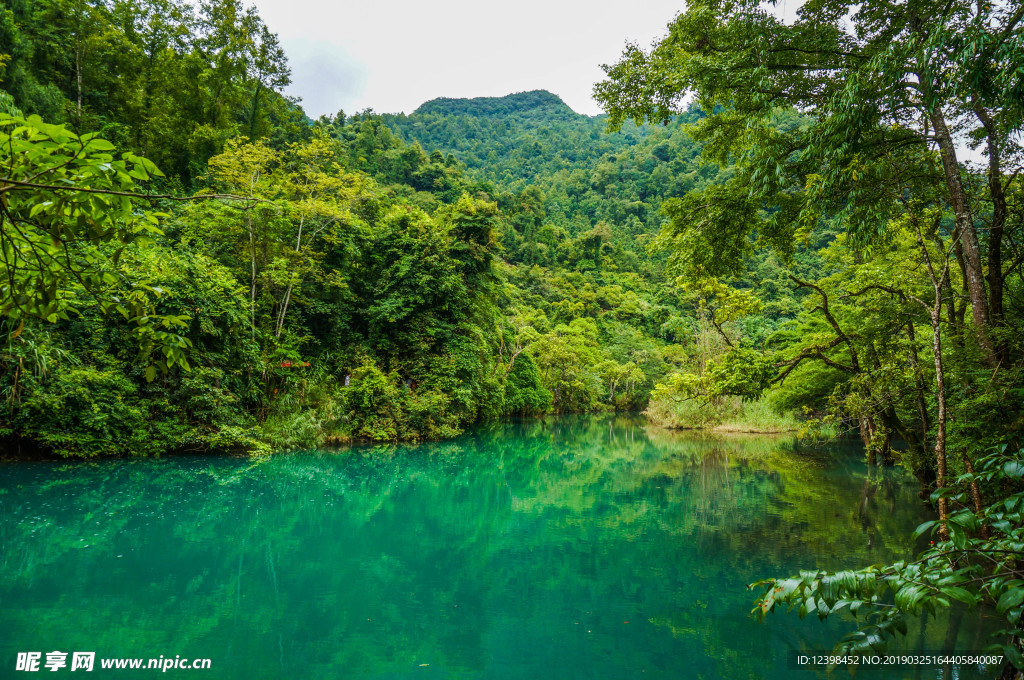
584	174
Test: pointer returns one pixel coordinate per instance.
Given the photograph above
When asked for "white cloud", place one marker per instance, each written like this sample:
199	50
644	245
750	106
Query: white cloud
323	75
394	56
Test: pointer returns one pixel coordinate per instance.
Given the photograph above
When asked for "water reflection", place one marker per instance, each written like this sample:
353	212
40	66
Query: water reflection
557	548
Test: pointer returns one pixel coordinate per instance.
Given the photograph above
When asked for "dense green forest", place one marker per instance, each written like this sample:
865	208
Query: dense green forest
289	302
773	226
323	282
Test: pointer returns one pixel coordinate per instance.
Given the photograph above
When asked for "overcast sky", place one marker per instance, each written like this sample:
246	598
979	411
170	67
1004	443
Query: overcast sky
393	56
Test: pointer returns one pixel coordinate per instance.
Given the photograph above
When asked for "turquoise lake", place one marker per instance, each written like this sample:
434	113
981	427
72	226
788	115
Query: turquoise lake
570	547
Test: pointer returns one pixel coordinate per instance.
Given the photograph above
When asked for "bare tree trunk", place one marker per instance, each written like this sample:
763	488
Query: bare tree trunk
955	318
78	81
252	263
252	254
935	314
284	310
976	496
940	421
288	291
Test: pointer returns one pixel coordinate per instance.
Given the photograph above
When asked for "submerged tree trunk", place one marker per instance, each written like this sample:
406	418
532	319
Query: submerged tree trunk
867	435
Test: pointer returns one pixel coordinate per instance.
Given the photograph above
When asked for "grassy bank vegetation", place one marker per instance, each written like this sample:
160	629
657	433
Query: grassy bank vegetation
726	414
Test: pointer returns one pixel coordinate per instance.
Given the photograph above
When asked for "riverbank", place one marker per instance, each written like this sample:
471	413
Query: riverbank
730	415
304	429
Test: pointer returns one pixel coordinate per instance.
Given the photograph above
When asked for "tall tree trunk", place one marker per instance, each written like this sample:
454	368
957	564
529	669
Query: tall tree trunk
252	254
919	398
252	280
954	317
995	231
966	234
78	84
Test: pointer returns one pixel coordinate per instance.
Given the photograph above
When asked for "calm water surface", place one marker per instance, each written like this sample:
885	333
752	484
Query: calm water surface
564	548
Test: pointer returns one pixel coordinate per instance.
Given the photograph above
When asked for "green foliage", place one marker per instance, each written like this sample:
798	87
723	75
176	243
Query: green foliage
524	392
566	358
509	258
66	218
63	196
739	372
85	411
373	401
708	231
170	79
972	566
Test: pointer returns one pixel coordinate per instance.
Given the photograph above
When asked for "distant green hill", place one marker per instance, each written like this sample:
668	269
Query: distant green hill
520	102
532	141
514	141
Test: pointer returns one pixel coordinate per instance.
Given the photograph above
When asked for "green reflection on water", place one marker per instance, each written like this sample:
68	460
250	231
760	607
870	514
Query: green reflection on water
575	547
